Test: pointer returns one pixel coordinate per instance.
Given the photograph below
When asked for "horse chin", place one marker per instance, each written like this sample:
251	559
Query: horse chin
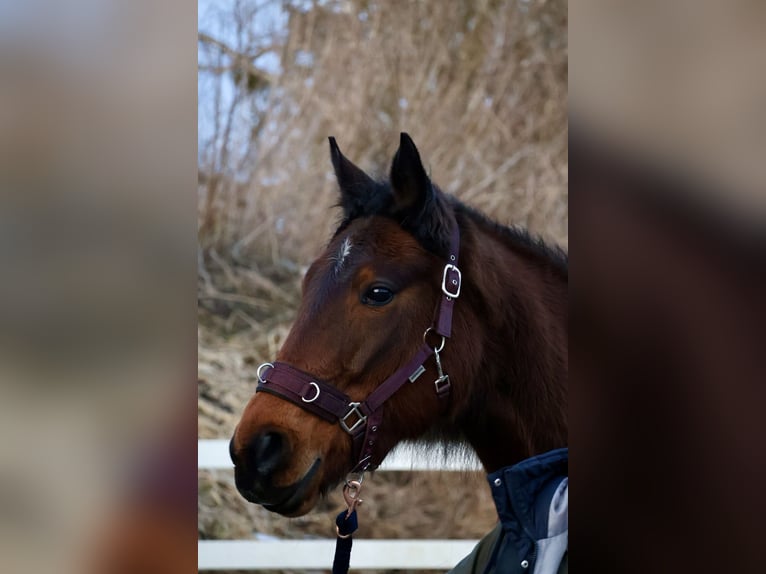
298	498
295	508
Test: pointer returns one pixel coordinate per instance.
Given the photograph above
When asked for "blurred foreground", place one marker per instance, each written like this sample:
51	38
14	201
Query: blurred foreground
97	298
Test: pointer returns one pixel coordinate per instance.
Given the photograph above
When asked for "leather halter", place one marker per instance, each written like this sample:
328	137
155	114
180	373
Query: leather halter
362	420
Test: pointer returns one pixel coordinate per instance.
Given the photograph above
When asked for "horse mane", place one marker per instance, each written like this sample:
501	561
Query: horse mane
521	238
378	202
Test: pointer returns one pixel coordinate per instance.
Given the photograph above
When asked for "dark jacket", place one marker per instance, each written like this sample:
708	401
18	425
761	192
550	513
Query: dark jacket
532	504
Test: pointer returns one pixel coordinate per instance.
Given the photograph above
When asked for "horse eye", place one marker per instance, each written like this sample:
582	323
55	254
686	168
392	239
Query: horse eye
377	296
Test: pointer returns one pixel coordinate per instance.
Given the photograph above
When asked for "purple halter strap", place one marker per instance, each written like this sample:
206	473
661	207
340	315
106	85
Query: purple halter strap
362	420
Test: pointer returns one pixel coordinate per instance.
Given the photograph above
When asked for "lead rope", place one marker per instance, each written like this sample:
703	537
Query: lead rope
346	524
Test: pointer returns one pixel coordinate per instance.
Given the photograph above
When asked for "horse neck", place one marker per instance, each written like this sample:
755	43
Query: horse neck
510	396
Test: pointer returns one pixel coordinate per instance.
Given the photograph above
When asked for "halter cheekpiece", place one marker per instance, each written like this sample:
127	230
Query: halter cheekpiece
362	420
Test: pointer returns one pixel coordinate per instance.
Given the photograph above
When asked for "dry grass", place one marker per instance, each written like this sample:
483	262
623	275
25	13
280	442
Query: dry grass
481	87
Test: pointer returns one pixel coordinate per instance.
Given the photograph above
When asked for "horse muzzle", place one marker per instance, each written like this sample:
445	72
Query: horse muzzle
254	471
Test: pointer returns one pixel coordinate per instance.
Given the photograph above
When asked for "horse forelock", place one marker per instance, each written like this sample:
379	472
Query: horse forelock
430	224
342	254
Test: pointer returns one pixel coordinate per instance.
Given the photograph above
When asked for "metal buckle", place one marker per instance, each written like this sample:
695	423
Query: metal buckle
354	410
456	283
442	384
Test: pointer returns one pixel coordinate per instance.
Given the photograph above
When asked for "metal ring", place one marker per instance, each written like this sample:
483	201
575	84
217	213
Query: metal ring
425	336
260	368
315	397
357	477
351	490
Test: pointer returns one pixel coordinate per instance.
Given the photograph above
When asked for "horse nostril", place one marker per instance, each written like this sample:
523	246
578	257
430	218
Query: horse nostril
268	451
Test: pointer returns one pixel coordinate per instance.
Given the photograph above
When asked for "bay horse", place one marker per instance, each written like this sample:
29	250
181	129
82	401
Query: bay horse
422	319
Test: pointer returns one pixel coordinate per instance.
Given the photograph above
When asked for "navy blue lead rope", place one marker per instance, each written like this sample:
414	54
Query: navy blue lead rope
347	525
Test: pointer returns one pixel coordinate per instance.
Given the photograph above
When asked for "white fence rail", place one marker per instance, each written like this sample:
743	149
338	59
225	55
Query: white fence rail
214	454
318	554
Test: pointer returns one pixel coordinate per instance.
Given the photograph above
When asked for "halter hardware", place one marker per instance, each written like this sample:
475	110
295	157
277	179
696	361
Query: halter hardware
260	369
442	383
360	420
455	282
352	489
332	405
316	396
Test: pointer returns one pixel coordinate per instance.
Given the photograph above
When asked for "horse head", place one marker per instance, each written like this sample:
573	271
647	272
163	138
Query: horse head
367	301
365	366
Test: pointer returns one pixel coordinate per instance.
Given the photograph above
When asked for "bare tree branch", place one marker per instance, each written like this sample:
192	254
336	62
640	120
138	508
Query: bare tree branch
239	60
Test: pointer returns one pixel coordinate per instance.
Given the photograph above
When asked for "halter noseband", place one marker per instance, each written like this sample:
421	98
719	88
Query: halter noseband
362	419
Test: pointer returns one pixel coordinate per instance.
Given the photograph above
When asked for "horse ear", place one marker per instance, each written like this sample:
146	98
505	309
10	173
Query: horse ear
409	182
355	185
418	205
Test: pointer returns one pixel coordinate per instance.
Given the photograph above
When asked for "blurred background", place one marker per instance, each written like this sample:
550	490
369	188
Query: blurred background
480	86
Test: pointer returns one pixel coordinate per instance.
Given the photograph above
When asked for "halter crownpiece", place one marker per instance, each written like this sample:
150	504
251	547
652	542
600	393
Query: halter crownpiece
362	419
